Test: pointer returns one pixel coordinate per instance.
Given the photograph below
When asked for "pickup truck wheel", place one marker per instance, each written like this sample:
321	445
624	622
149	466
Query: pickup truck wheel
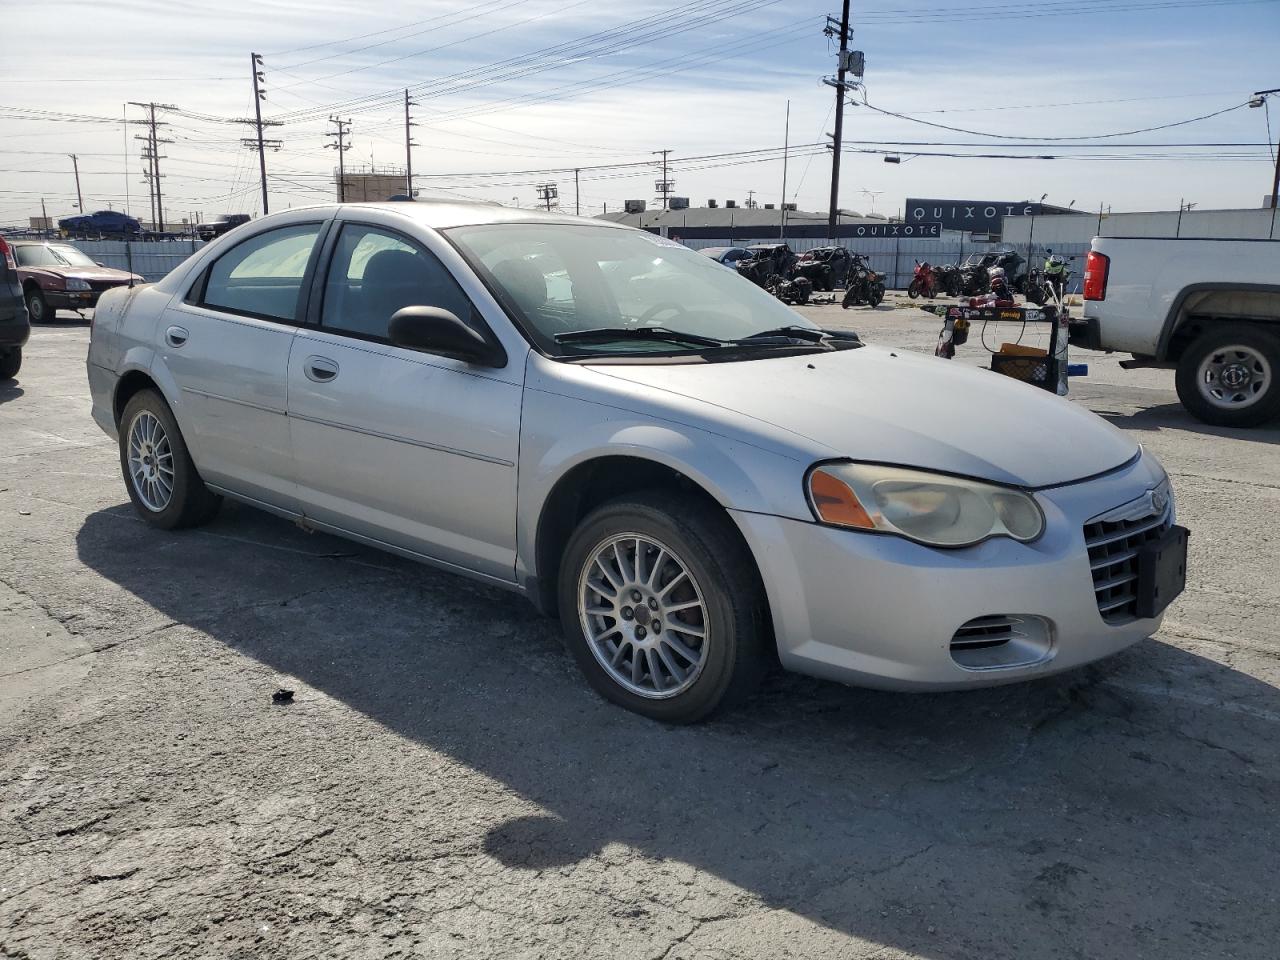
38	307
162	481
662	607
1230	376
10	363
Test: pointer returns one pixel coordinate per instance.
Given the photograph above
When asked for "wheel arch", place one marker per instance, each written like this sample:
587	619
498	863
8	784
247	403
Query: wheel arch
1198	305
595	481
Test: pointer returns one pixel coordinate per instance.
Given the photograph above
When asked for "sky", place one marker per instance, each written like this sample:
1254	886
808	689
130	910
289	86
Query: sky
514	93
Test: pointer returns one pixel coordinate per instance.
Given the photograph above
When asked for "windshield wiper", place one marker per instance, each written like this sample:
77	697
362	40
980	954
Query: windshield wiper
814	335
793	331
608	334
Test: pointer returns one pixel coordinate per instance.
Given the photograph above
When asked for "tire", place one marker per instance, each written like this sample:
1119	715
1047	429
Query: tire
849	297
913	290
189	502
1212	364
732	613
875	296
38	307
10	363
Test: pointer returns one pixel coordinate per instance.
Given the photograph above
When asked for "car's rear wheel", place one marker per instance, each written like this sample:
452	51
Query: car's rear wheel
38	307
10	363
662	607
1230	376
159	474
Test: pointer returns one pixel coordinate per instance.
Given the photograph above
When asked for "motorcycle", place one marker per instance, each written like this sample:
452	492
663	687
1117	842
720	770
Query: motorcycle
795	291
924	283
975	273
947	278
865	286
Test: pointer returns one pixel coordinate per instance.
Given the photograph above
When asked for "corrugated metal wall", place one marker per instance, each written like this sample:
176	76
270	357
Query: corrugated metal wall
894	258
150	258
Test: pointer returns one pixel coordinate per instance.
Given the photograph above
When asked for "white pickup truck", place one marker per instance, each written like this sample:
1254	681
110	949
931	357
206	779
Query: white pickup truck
1209	309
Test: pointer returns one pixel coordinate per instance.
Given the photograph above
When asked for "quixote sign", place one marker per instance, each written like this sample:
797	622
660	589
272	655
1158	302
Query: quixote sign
915	231
976	216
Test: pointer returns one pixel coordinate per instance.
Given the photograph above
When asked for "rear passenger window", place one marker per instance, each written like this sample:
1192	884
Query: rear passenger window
375	272
263	275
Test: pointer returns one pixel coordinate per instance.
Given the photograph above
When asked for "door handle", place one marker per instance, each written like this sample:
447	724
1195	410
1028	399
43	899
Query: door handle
176	336
319	369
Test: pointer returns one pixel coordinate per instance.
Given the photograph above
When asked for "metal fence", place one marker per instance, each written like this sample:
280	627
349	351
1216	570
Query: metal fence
896	258
150	258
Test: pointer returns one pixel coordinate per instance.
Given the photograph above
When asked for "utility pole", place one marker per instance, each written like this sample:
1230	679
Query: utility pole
664	185
839	84
340	144
75	165
44	217
548	192
577	200
1258	99
258	96
751	199
786	148
257	142
408	144
151	153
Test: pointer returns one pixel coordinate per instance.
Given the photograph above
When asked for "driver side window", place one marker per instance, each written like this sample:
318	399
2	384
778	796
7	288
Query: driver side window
376	272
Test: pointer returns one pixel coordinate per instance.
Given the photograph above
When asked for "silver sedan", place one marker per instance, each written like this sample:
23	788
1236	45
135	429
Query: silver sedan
696	480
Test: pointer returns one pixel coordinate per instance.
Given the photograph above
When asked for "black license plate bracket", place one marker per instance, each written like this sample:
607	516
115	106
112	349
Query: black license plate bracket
1162	571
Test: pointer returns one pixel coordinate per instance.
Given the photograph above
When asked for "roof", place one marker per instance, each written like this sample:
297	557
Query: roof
441	214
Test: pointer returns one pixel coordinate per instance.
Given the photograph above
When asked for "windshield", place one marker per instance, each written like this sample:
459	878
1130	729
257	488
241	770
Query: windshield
565	278
50	255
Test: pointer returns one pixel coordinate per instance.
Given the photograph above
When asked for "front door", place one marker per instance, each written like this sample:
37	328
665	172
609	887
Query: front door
226	345
407	448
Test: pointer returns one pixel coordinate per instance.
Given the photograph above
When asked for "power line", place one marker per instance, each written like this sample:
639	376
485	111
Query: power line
1094	136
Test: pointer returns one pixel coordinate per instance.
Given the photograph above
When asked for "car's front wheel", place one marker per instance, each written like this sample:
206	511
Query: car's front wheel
1230	376
662	607
159	474
38	307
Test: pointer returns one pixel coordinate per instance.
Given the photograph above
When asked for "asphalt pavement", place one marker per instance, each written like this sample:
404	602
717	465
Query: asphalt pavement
444	784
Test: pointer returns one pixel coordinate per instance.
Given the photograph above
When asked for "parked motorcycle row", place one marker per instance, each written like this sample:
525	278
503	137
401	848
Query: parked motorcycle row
973	277
793	279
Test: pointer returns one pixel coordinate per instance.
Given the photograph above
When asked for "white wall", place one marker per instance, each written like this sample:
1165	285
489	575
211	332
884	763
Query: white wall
1256	224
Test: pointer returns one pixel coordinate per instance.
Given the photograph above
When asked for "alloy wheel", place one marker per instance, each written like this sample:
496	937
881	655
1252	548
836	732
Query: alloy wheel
150	462
643	615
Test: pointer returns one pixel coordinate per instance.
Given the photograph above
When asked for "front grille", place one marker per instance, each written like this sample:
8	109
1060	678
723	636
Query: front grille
1113	560
101	285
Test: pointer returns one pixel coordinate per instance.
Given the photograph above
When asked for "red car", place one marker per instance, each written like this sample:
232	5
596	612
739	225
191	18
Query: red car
56	276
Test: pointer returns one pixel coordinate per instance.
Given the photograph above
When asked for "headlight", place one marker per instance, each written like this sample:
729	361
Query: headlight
75	283
930	508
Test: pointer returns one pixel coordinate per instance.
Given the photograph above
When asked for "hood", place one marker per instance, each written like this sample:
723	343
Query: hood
98	274
908	409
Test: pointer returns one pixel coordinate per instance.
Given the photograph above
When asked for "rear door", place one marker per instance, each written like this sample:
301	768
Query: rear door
226	344
405	448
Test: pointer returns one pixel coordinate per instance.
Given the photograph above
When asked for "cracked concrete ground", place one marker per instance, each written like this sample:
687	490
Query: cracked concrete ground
445	785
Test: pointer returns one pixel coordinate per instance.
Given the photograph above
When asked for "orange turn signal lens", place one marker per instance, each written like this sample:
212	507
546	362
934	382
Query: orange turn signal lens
835	502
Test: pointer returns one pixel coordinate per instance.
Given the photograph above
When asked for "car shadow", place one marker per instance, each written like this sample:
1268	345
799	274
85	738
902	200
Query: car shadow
1173	416
1124	809
9	391
64	318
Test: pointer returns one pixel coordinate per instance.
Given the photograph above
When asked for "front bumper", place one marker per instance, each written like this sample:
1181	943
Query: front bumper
881	611
71	299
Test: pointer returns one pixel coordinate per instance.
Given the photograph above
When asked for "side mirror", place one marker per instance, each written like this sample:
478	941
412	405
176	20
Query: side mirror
438	331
